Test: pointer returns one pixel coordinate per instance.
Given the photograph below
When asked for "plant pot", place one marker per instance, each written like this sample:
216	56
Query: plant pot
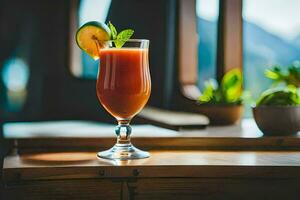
277	120
221	114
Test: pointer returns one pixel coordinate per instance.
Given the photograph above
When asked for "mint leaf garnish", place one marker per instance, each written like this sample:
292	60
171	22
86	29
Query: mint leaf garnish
123	37
113	30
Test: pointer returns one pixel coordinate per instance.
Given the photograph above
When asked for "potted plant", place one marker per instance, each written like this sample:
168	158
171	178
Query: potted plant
222	102
277	111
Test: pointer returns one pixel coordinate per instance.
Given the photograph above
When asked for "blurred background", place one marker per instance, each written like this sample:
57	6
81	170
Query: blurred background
44	75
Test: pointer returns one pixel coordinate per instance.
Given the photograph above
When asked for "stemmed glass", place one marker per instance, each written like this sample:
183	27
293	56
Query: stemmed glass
123	89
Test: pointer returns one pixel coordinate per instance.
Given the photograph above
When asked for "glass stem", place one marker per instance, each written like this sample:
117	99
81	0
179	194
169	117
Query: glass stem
123	131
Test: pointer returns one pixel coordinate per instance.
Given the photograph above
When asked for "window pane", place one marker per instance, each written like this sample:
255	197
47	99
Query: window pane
271	36
91	10
207	25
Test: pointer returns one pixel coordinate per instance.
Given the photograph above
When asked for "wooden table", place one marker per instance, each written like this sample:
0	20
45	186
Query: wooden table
175	174
234	162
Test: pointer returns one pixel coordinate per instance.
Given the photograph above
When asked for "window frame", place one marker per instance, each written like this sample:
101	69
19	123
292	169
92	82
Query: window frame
188	50
230	43
229	46
74	53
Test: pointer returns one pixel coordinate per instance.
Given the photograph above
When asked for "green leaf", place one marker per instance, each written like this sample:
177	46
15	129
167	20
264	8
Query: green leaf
271	74
279	96
207	95
231	85
294	74
113	31
291	76
228	93
123	37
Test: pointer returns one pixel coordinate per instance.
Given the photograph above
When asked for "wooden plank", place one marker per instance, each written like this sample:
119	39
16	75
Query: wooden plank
64	189
156	188
188	43
216	164
268	143
204	188
187	53
230	40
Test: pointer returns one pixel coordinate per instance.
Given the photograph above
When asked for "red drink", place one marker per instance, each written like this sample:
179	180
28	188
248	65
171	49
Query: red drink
123	84
123	88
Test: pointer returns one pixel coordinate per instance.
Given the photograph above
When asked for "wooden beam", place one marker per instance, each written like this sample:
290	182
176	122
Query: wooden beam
230	48
75	52
188	50
188	43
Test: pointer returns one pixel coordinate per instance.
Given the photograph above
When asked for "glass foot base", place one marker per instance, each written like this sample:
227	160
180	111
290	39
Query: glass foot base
127	152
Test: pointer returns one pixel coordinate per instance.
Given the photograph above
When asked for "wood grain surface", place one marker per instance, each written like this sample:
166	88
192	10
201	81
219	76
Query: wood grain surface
64	189
188	163
184	174
205	188
95	136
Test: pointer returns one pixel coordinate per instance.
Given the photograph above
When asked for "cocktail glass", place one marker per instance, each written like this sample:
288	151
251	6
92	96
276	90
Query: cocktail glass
123	89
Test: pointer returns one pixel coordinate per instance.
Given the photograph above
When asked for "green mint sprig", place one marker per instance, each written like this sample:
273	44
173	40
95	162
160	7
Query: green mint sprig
121	38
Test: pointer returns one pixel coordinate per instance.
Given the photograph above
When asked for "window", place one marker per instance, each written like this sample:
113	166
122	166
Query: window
271	36
90	10
207	28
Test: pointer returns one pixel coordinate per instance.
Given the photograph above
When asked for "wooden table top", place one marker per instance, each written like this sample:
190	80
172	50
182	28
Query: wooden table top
168	157
162	163
84	134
